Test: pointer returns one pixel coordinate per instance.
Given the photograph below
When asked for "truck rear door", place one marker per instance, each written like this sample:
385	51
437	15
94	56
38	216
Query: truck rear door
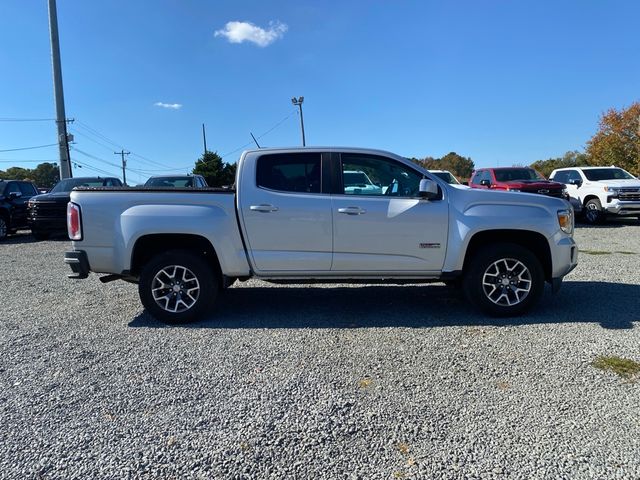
286	212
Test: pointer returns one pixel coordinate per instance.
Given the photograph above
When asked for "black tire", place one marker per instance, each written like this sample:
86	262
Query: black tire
4	228
517	274
39	235
189	272
593	213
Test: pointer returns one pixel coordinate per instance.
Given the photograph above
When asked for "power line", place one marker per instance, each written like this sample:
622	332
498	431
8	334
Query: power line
30	148
4	160
7	119
95	158
99	135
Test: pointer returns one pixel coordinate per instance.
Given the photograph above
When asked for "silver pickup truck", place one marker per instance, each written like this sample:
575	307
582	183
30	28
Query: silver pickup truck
294	216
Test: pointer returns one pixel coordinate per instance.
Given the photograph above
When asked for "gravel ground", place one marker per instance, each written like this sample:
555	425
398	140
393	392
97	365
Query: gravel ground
331	382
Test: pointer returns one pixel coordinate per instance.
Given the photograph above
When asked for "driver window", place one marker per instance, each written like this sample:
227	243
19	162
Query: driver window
378	176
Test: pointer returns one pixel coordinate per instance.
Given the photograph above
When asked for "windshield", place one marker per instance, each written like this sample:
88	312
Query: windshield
511	174
356	178
595	174
70	183
447	177
170	182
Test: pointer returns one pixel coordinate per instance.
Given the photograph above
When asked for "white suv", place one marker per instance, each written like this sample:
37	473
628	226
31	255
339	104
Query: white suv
601	190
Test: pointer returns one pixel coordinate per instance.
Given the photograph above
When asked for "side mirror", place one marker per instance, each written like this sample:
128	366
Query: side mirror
465	183
13	195
485	183
428	188
576	182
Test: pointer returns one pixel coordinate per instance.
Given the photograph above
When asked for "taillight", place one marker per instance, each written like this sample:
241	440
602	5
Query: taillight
74	223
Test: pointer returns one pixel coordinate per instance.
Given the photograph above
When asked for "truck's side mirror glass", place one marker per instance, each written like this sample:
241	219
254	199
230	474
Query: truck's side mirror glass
575	181
13	195
428	188
485	183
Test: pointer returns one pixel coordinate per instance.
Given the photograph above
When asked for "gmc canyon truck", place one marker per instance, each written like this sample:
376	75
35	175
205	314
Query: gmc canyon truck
292	218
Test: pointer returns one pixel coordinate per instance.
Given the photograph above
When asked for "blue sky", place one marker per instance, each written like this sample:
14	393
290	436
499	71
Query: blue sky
500	81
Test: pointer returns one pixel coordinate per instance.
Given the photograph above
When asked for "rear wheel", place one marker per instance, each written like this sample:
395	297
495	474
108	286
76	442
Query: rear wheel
177	286
504	280
593	213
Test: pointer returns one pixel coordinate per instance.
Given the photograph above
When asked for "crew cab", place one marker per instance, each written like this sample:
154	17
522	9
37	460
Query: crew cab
14	195
292	218
601	190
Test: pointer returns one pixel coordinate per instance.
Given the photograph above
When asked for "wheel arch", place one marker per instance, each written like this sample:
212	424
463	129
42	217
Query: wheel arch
591	196
533	241
148	246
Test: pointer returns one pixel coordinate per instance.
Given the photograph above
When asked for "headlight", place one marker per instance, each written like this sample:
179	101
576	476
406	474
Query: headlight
565	220
612	191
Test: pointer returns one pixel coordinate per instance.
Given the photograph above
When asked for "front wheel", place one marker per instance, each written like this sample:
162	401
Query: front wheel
177	286
593	213
40	235
4	228
504	280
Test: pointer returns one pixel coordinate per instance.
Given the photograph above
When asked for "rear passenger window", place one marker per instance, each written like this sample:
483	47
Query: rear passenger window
290	172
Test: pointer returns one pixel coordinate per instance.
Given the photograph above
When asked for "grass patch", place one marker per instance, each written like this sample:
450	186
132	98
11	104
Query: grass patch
626	253
623	367
365	382
595	252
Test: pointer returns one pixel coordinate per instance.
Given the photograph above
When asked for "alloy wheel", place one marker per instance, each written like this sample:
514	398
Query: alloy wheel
175	288
506	282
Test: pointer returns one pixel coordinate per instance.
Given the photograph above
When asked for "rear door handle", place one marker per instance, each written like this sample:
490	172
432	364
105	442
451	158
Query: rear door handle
263	208
352	210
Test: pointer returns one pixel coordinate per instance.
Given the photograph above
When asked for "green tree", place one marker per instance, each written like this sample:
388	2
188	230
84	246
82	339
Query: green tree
617	141
45	175
18	173
570	159
460	166
216	172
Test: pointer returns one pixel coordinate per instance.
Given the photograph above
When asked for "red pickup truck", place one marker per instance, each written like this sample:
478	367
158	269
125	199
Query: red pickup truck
516	179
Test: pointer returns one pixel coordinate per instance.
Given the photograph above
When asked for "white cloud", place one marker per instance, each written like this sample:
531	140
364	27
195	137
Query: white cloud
238	32
172	106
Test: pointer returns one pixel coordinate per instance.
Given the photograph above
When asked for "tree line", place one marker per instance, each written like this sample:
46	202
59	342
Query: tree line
45	175
616	142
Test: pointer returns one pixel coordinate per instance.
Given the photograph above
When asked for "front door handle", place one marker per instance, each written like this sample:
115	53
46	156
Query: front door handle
263	208
352	210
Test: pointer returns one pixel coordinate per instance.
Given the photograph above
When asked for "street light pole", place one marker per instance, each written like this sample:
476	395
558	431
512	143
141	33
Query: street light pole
298	102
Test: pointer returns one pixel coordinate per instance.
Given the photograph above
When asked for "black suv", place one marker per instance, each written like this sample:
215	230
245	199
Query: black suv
14	195
48	212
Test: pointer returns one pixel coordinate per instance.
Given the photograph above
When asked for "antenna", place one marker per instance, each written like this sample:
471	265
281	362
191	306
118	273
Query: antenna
254	139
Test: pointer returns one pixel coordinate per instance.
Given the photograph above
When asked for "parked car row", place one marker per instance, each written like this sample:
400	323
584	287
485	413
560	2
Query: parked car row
24	206
594	193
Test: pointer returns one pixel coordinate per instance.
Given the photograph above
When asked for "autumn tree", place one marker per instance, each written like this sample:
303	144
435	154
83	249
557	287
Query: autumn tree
460	166
617	141
216	172
568	160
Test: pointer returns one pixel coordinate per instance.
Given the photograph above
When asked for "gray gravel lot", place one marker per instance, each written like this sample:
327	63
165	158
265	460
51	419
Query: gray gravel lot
365	382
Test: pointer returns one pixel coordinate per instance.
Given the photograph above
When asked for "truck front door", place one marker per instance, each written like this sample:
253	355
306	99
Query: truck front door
387	228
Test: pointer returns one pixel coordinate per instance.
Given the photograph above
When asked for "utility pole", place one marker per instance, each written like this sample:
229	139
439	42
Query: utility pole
298	102
122	153
204	139
61	119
